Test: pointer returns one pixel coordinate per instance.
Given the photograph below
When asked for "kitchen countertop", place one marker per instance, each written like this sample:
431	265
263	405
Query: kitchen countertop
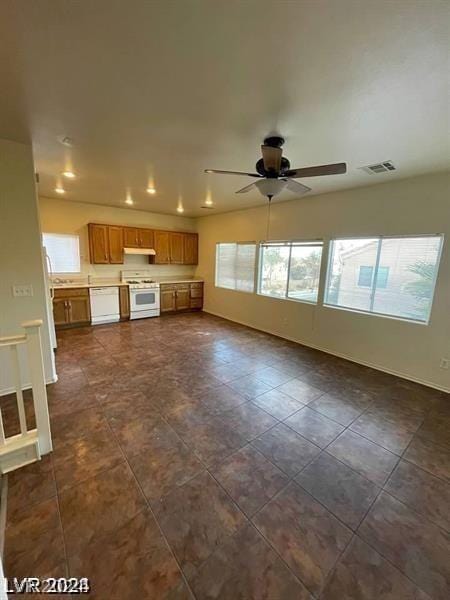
169	280
113	283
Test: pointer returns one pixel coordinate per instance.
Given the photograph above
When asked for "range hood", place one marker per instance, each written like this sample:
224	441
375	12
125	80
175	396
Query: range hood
144	251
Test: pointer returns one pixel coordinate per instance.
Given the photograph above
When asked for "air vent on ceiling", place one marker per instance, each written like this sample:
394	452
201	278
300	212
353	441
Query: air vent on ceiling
383	167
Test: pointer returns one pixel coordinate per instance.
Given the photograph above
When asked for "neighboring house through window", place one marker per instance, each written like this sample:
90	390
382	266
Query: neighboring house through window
365	276
392	276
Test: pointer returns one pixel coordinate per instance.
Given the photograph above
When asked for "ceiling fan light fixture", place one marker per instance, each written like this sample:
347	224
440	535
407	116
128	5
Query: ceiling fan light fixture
270	187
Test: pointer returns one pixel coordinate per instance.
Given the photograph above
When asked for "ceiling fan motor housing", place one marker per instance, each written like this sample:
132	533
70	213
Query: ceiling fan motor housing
275	141
285	166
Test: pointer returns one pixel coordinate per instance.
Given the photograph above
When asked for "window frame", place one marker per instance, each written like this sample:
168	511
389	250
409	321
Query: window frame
331	241
319	242
66	235
234	289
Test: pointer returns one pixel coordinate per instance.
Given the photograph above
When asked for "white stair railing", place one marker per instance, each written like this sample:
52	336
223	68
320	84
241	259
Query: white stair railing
30	444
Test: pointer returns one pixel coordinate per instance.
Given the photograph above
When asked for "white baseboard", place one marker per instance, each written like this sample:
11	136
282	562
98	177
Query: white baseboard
27	386
338	354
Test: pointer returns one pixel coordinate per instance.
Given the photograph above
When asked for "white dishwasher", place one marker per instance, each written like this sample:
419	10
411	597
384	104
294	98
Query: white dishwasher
104	305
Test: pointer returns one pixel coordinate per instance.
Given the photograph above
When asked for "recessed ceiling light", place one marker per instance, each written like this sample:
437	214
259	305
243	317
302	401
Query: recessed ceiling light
128	201
69	174
151	190
60	190
180	209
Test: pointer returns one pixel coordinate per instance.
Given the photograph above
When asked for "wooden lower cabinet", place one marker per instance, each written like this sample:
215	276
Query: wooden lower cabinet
60	315
167	298
124	302
183	298
177	297
71	307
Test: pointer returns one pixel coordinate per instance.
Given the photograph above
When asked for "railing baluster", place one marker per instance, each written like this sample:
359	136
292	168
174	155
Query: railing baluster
2	431
18	386
29	445
37	376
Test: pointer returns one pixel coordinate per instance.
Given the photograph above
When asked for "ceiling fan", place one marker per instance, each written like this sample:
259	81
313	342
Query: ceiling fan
274	171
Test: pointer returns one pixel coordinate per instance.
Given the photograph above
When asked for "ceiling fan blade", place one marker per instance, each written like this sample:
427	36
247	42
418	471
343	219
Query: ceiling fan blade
296	187
334	169
272	158
245	189
232	173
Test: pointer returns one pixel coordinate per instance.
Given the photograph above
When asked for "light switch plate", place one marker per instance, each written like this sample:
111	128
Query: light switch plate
22	290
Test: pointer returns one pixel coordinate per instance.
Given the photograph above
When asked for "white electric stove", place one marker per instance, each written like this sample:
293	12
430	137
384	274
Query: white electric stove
144	294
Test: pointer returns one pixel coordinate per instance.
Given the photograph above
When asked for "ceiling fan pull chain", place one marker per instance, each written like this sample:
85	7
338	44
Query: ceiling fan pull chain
268	219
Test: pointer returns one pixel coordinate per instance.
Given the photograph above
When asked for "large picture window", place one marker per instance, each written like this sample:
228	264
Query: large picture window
393	276
63	251
290	270
235	266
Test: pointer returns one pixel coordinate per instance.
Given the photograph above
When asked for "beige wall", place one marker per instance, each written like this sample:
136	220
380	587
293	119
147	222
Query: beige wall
63	216
412	206
20	254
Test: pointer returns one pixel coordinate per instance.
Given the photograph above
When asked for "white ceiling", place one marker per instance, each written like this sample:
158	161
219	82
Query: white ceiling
167	89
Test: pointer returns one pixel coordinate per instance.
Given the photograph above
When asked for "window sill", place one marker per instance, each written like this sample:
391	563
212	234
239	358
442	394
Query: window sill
296	300
375	314
221	287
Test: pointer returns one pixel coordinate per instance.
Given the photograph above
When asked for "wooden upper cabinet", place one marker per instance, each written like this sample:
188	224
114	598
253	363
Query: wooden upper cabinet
162	247
190	249
98	243
146	238
115	244
130	237
106	244
176	244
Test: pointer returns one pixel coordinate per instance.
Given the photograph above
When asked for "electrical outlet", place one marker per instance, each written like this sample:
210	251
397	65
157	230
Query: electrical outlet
22	290
445	363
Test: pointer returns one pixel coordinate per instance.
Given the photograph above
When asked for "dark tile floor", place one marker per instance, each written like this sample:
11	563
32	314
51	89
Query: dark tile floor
196	458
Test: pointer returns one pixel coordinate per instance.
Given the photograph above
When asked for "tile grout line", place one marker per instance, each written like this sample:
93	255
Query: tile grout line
152	512
382	490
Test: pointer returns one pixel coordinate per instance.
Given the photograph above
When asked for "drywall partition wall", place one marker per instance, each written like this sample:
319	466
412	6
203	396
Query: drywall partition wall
63	216
20	255
411	206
